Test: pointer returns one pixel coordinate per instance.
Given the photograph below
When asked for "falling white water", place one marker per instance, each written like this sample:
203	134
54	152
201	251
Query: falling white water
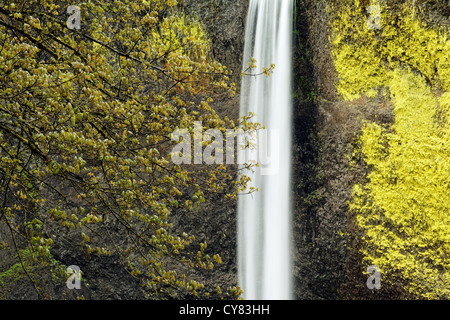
264	262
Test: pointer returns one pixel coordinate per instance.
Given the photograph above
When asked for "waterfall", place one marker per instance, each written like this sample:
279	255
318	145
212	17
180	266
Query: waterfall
264	243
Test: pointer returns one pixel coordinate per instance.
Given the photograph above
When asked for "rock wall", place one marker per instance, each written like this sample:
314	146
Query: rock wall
320	182
328	264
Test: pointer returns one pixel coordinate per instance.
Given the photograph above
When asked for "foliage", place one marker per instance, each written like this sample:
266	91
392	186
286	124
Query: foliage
85	132
404	206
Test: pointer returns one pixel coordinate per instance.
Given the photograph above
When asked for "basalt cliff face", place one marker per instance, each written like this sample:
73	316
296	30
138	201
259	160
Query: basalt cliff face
328	260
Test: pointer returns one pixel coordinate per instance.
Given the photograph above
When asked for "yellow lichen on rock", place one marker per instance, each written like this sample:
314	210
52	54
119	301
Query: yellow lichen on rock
404	208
